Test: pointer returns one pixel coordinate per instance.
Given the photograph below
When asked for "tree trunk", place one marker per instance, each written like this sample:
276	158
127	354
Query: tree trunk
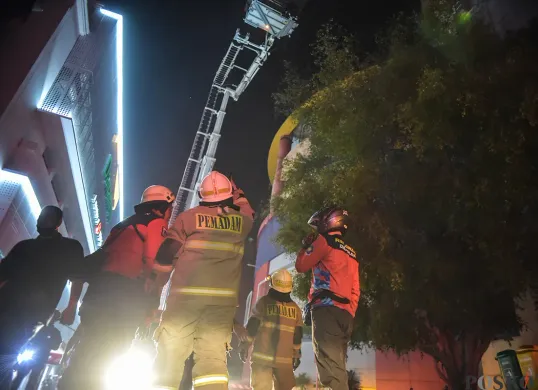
458	359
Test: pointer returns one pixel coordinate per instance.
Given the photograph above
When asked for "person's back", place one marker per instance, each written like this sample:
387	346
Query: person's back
276	330
335	269
119	295
210	260
204	288
36	270
32	278
334	293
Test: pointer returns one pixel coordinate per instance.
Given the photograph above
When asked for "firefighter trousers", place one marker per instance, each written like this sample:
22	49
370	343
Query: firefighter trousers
190	328
267	377
331	332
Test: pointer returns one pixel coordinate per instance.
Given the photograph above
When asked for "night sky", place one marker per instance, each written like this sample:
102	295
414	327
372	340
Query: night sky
172	51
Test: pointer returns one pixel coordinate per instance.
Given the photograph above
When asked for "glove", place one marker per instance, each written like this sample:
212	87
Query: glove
68	315
296	363
308	240
238	193
240	332
243	352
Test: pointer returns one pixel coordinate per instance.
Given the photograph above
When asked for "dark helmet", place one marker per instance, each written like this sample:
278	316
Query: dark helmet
330	219
51	217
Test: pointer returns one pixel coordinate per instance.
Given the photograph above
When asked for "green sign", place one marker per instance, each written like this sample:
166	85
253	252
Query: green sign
108	188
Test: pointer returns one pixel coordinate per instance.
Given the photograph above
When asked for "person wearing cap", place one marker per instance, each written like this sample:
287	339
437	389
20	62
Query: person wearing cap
32	278
276	330
200	309
121	294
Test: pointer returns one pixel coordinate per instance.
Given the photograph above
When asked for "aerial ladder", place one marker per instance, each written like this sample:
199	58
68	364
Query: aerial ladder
274	18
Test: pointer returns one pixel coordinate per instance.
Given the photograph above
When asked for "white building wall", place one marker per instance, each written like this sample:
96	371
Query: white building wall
27	135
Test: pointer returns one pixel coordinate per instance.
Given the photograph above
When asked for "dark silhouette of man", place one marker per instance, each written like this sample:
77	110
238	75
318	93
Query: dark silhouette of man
32	278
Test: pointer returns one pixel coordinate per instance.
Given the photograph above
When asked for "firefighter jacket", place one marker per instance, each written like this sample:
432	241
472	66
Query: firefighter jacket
276	329
132	245
208	268
335	268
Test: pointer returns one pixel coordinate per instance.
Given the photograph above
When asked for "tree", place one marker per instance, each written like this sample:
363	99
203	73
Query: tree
433	150
302	380
354	380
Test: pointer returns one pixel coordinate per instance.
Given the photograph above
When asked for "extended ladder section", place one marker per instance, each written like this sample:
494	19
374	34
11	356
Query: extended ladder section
269	16
211	114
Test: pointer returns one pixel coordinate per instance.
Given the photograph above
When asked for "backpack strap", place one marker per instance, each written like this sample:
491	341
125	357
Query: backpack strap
138	232
121	230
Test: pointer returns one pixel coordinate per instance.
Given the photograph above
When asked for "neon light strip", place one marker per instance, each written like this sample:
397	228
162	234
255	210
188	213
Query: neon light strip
29	192
76	170
119	65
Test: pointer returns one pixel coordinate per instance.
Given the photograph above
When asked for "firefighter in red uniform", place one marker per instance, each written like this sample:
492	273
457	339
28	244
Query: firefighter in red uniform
201	306
334	294
120	296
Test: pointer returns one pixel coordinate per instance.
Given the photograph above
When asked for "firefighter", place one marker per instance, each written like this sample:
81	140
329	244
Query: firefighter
334	294
276	330
120	295
32	278
201	306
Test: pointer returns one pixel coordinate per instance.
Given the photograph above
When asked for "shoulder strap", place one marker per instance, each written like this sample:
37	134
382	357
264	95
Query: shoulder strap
138	232
121	230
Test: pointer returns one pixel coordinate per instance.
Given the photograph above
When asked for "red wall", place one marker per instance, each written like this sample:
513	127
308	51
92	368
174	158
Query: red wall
409	371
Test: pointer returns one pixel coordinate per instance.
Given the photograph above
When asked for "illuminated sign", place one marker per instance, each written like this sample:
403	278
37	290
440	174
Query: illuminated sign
108	188
96	221
119	70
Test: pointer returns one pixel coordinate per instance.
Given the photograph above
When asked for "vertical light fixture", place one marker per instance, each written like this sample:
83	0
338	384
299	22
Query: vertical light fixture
119	70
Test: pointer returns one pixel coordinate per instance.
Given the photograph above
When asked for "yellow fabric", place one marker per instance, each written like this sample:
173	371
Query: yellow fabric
272	325
216	246
209	380
206	291
269	358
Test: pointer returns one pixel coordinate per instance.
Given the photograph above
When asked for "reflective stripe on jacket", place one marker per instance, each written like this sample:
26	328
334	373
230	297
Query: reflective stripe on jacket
208	267
275	341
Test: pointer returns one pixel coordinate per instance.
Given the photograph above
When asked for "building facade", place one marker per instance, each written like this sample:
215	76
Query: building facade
61	123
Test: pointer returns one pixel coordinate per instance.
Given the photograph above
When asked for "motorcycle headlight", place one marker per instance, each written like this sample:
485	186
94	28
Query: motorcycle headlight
134	370
25	356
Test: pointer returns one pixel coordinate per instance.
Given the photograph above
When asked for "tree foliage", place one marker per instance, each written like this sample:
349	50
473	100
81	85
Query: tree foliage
302	380
353	380
433	150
